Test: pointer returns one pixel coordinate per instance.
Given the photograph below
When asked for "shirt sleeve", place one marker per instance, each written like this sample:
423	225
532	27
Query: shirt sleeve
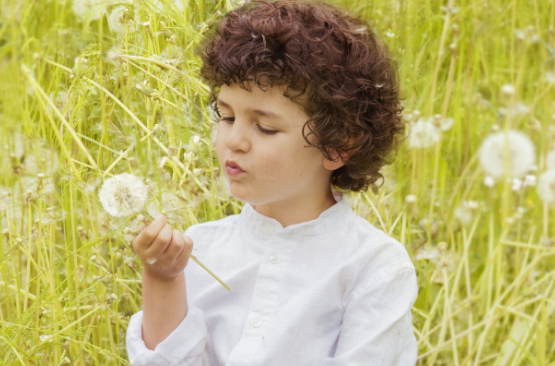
185	346
377	322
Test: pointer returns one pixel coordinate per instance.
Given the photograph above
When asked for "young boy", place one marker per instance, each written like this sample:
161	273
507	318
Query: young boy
311	282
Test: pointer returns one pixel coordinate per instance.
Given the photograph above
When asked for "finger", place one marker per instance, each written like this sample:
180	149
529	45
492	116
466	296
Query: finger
176	246
185	253
159	244
150	232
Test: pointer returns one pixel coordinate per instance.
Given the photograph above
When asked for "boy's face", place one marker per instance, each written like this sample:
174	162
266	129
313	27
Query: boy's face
277	167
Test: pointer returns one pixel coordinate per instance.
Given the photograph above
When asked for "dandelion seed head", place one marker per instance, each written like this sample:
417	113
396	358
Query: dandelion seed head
118	19
520	154
90	9
546	186
423	134
123	195
428	252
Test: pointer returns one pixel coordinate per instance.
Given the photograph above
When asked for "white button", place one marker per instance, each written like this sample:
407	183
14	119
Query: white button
256	322
275	258
268	228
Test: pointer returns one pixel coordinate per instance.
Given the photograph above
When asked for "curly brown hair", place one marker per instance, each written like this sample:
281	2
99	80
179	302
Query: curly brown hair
346	81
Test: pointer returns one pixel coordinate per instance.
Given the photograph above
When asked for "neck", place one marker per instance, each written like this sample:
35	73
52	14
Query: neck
295	210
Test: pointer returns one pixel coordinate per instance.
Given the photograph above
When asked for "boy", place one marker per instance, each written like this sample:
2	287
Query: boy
312	283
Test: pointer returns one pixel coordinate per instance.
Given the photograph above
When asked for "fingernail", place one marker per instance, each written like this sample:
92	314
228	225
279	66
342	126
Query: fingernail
151	260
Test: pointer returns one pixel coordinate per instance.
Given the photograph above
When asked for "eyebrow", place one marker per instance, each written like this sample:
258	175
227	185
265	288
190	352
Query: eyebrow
257	111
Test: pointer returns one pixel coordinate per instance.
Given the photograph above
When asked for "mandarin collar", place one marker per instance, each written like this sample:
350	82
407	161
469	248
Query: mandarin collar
330	219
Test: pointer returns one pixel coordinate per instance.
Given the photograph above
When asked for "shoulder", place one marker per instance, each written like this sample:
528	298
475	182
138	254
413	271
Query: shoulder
374	256
376	246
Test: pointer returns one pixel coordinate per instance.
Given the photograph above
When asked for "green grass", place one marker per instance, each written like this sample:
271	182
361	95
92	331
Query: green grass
69	280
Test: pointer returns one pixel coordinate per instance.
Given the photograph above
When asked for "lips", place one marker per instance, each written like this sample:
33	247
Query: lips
233	164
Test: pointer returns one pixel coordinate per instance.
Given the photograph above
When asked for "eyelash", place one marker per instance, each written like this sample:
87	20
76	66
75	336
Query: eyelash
263	130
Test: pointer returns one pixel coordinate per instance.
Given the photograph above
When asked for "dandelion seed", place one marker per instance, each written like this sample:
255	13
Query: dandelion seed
520	150
546	186
423	134
123	195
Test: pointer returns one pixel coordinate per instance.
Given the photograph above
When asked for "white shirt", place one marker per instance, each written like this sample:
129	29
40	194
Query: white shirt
327	292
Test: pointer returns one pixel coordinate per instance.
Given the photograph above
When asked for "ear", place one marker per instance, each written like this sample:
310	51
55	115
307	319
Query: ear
336	163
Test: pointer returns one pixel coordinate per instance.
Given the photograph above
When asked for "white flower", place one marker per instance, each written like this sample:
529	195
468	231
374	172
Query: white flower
117	19
546	186
423	134
520	154
123	195
90	9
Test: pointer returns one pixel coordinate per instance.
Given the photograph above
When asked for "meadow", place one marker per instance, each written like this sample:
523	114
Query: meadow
91	91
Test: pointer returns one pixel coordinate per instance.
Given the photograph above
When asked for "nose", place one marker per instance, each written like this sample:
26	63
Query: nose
237	136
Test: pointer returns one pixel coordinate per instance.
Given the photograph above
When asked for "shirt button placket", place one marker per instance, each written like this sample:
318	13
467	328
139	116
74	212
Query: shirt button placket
275	258
256	322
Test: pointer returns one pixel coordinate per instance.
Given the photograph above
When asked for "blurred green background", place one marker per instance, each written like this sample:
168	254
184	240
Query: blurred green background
91	90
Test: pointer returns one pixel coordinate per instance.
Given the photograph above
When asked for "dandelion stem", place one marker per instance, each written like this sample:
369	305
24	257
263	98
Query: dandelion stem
209	271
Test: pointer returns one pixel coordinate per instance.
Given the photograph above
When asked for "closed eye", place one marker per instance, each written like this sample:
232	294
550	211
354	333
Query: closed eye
263	130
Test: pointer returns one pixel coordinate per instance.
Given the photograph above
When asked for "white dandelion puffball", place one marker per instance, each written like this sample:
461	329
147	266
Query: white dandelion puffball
123	195
422	134
89	9
546	186
117	19
520	153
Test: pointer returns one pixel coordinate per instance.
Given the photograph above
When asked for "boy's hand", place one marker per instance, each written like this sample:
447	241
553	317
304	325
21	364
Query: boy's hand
163	251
